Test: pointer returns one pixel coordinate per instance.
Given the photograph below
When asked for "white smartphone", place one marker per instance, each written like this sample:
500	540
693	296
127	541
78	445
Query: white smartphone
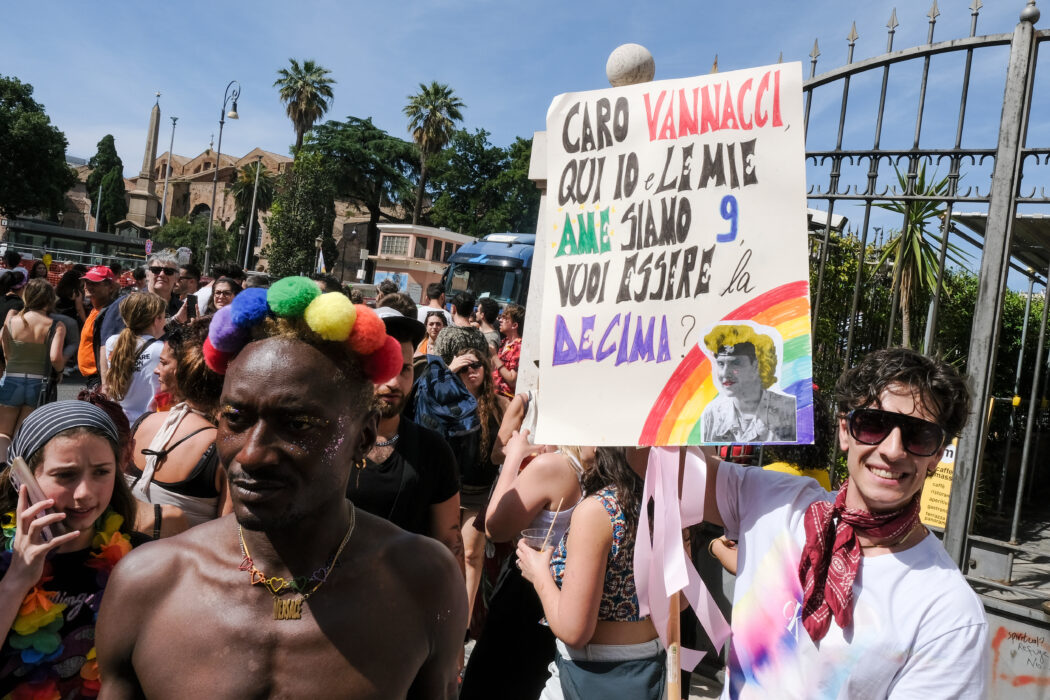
22	474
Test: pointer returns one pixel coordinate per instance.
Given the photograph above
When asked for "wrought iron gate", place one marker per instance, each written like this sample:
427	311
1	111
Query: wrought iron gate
847	179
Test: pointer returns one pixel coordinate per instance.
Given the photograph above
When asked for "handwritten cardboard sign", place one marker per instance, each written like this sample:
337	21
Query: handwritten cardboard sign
675	306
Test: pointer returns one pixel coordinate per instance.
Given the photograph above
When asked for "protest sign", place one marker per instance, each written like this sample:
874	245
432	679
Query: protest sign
676	303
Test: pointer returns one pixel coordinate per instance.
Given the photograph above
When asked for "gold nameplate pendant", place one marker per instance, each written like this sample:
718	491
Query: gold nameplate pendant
287	609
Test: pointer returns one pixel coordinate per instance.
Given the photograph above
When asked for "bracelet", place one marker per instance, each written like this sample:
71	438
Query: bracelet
711	545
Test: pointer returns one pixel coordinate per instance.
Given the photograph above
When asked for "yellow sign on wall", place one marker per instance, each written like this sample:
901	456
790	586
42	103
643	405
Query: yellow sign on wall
938	490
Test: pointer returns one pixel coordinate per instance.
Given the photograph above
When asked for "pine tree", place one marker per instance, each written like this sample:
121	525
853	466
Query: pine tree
114	205
102	163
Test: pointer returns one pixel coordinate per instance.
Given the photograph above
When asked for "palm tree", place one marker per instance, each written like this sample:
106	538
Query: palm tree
306	91
914	250
243	188
432	115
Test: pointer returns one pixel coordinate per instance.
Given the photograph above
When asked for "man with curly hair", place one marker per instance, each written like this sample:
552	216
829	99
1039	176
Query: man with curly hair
847	594
746	409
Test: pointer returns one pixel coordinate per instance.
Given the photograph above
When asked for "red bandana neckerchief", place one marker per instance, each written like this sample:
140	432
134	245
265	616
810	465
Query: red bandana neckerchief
832	554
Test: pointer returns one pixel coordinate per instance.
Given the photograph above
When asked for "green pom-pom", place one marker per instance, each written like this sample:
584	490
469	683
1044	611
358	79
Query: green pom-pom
290	296
331	316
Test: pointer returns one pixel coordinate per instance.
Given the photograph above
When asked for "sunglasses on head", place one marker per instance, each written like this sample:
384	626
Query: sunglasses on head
169	271
870	426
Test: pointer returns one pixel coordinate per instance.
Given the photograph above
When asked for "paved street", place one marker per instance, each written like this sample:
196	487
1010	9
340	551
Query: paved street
70	386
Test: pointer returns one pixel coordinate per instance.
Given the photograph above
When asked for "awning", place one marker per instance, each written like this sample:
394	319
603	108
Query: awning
1030	246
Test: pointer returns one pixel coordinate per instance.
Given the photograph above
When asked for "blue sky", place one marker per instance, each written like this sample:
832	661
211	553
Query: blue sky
96	66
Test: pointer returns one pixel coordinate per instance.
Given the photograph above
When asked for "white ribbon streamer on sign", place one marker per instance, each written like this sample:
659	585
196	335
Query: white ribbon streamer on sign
662	567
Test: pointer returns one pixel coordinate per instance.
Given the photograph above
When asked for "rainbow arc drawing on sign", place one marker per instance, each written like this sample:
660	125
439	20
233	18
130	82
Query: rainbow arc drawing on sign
674	418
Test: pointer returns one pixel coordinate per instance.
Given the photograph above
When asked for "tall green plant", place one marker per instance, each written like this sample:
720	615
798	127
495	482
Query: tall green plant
34	176
432	115
914	250
102	163
303	209
243	190
306	91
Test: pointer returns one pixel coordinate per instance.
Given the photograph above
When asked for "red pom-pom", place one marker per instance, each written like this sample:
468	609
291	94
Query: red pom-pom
369	332
216	360
384	364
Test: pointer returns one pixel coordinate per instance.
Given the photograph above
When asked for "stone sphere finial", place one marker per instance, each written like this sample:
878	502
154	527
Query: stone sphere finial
1030	13
630	64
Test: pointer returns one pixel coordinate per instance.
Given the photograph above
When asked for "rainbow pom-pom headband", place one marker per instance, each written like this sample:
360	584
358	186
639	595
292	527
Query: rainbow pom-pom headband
331	316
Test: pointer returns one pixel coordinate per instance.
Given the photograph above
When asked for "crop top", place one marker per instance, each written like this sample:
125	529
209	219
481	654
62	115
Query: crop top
196	495
619	597
560	518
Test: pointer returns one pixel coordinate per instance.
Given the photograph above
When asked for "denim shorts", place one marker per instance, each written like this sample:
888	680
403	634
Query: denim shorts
20	390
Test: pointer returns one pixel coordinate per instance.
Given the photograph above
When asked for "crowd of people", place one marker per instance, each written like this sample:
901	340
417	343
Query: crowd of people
292	493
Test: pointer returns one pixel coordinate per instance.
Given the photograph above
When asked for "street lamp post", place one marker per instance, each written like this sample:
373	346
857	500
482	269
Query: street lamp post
251	216
232	114
167	173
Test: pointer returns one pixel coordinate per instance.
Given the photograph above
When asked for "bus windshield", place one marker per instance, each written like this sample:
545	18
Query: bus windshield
501	283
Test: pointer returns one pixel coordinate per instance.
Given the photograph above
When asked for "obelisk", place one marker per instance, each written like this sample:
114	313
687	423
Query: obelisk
143	204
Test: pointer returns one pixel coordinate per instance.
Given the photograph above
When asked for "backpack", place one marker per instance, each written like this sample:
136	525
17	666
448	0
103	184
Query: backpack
443	404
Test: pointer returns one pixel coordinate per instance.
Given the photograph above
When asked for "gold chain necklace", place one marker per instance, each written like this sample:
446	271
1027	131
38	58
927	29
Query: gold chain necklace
889	545
290	609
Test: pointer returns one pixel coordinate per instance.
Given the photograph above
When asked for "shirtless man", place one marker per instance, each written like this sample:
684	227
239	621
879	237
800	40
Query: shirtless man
181	620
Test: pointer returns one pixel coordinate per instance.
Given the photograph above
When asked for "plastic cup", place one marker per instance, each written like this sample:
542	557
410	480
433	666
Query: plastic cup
533	537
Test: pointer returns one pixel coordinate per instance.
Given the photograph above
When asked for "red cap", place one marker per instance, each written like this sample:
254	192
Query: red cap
99	273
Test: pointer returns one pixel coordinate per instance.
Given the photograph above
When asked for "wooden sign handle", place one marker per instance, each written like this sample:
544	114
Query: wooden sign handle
674	646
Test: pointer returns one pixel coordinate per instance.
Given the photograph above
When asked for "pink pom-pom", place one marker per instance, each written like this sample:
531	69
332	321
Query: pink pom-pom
369	331
216	360
386	363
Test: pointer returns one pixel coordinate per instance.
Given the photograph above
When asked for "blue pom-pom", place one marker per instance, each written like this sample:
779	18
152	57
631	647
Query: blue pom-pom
249	307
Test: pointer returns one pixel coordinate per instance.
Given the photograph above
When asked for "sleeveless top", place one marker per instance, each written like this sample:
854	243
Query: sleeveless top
196	495
619	597
560	518
26	358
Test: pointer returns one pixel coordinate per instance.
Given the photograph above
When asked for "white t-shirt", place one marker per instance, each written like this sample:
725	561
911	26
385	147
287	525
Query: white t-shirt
918	631
203	297
144	383
423	311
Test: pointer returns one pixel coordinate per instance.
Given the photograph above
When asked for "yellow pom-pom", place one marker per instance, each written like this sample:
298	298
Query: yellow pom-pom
331	316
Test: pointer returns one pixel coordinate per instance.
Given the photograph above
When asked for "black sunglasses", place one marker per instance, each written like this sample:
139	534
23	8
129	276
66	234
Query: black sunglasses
169	271
472	365
870	426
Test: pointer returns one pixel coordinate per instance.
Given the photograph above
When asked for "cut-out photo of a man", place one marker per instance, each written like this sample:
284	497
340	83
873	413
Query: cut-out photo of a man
744	365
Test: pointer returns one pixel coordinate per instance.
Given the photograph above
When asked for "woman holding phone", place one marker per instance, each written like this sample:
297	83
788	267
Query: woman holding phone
52	583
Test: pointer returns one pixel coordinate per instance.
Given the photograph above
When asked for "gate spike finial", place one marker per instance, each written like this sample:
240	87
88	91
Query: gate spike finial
780	58
934	13
976	6
815	52
1030	13
853	36
893	23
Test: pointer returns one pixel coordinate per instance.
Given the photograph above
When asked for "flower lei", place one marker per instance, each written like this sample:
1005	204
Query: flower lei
331	316
35	632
